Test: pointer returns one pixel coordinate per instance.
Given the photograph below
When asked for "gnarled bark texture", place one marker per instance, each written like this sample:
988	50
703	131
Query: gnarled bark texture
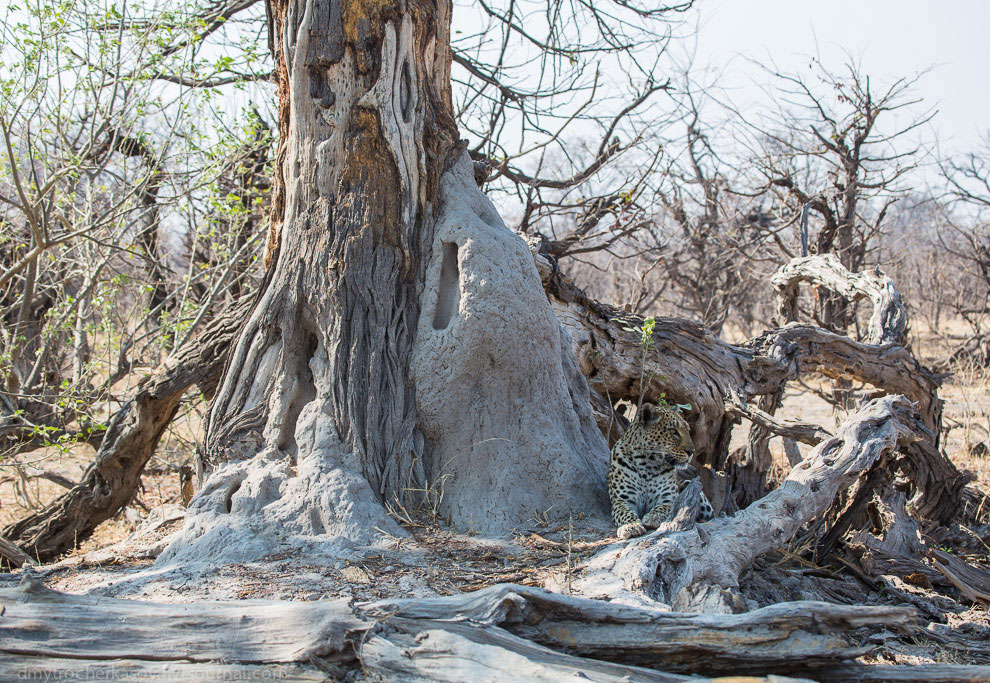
402	340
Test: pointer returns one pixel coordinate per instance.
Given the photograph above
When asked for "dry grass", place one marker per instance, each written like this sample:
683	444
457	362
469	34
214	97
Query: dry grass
22	491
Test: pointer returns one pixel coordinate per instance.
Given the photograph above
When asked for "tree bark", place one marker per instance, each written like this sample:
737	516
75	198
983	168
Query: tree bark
402	344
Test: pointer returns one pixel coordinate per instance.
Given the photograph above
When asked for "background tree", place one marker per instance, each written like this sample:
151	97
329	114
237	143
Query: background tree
965	238
839	149
108	170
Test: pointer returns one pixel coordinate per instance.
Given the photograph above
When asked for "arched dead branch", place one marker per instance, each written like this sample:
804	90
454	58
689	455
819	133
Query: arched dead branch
888	323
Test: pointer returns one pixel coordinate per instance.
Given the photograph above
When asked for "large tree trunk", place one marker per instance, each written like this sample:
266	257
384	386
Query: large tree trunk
402	342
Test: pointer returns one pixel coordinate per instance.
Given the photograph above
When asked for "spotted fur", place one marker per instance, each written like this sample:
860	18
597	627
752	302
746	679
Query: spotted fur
642	473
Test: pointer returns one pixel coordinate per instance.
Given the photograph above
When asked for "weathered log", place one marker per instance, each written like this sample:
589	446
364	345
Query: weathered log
41	622
692	366
44	631
455	653
699	568
110	481
787	636
972	582
897	548
689	365
797	349
477	636
13	554
930	673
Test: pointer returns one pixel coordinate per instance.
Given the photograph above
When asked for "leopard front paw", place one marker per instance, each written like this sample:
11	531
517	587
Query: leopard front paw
631	530
652	521
655	518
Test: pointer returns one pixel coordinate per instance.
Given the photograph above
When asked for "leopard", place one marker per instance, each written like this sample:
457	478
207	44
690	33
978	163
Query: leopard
647	470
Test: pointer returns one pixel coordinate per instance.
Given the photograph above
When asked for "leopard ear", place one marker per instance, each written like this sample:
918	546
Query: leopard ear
647	413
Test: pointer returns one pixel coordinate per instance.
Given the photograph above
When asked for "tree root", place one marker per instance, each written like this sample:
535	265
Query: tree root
110	481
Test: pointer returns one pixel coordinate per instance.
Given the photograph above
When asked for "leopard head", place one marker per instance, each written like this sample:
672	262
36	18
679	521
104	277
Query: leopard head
662	427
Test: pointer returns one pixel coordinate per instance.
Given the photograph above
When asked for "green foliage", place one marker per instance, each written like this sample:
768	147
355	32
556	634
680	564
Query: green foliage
644	333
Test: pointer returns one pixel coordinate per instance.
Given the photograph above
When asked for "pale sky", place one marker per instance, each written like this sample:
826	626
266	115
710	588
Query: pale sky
892	38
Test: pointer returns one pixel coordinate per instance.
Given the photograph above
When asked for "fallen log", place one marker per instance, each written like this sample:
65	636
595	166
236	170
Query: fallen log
110	481
505	629
698	569
454	652
786	636
930	673
13	554
689	365
40	622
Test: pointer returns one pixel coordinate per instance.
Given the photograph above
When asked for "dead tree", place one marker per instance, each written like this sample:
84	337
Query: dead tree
965	239
887	326
696	569
713	237
695	367
823	154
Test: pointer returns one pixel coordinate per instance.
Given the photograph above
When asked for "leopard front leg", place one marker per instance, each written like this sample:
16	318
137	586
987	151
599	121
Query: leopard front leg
657	516
663	499
626	519
624	491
